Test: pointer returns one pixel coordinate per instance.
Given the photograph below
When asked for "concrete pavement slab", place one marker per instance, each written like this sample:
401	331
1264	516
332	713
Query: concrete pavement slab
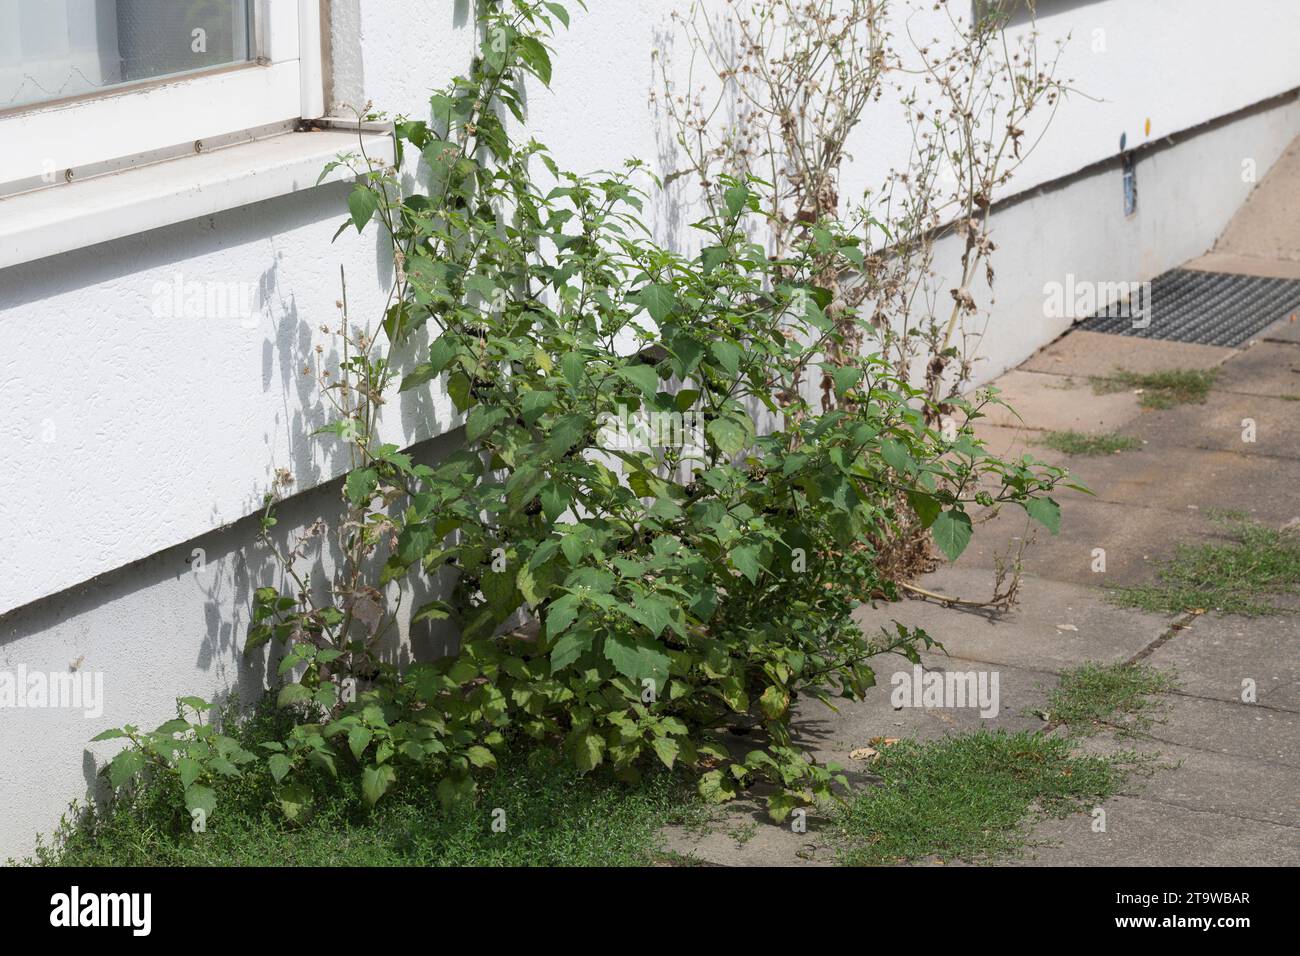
1285	330
1226	785
1142	832
741	834
1194	481
1059	403
1081	354
1266	368
1225	423
1265	226
1285	697
1246	266
1055	626
1134	540
835	736
1231	729
1215	654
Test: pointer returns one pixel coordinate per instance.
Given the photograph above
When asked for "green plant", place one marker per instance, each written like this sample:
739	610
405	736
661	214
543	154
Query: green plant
680	585
537	811
1231	578
197	753
1087	445
970	797
1119	696
1166	389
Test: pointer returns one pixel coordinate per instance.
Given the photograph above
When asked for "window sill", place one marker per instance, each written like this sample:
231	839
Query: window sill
71	216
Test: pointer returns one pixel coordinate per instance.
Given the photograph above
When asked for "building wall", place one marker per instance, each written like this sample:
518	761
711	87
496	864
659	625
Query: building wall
129	438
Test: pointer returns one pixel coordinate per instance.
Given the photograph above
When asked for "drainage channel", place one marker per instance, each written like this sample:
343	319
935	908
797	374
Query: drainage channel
1207	308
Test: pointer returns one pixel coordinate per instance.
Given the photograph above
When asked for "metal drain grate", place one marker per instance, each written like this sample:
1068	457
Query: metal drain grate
1208	308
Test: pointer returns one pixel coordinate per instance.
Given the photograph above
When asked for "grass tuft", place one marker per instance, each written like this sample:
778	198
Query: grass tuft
1115	696
972	797
552	815
1232	578
1179	386
1083	444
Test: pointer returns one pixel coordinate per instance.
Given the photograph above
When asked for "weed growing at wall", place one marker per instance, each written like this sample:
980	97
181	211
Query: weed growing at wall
676	591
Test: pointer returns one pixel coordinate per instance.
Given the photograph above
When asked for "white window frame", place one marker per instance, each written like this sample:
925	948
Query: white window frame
48	144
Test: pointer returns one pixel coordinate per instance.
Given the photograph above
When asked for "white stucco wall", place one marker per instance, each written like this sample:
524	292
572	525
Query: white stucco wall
128	439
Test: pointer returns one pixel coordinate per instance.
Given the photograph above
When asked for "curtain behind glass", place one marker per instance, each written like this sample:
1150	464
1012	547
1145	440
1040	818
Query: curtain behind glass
50	49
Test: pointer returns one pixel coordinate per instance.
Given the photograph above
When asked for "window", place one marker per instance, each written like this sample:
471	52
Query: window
91	86
51	51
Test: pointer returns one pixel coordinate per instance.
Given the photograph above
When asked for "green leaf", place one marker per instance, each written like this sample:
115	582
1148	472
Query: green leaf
362	203
572	365
655	612
952	532
482	419
715	788
535	56
279	765
713	256
189	770
728	434
896	456
414	543
199	797
359	739
927	507
125	766
455	788
845	377
433	611
637	658
736	197
666	748
375	782
562	612
481	757
780	804
587	748
658	299
458	385
292	694
294	800
774	702
536	404
1046	512
745	560
418	376
360	486
561	14
568	649
643	377
727	354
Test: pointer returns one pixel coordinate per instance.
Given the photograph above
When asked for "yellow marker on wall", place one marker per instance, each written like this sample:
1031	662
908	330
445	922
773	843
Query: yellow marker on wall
1148	125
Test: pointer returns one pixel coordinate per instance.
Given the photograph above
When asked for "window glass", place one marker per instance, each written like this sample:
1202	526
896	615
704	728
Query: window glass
51	49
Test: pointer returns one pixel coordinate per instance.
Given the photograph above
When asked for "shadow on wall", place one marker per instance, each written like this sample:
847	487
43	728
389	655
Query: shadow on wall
1023	11
174	624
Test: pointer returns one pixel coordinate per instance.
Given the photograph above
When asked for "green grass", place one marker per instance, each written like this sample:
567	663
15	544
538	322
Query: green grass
553	816
1083	444
972	797
1121	697
1160	389
1232	577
